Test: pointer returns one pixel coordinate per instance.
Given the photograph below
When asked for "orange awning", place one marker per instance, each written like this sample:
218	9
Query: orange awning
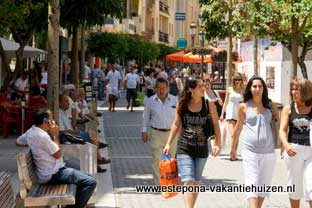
177	57
196	58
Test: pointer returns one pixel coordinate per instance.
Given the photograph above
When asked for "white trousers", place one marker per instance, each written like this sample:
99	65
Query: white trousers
158	141
299	167
258	170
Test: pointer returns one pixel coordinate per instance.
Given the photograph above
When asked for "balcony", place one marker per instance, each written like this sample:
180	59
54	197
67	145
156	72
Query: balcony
163	37
163	7
128	26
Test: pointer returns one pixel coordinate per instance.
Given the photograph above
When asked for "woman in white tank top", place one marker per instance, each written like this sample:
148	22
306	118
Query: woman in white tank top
233	96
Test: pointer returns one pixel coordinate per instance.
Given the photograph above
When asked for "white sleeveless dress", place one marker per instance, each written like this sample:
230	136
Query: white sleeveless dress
231	109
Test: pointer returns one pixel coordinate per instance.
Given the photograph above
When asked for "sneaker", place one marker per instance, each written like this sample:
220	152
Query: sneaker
102	145
104	161
101	170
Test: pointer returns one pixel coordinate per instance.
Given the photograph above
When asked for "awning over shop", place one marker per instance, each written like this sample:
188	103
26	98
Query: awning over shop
10	47
196	58
176	57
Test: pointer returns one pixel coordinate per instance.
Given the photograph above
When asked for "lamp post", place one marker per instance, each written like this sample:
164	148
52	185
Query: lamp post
193	32
202	45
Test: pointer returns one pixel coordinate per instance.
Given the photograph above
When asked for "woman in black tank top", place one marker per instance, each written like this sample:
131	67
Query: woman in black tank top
196	117
295	137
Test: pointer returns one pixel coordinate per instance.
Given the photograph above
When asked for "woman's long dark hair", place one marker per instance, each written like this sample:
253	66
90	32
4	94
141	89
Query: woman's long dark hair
265	94
186	95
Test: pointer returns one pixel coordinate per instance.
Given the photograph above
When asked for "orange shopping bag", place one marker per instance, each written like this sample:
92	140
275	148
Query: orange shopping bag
168	176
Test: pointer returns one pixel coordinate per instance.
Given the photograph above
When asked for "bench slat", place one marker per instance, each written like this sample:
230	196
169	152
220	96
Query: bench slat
7	198
63	198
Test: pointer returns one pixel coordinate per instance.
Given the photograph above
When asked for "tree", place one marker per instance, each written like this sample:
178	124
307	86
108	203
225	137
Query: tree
165	50
23	19
291	23
287	21
122	46
76	13
218	19
53	56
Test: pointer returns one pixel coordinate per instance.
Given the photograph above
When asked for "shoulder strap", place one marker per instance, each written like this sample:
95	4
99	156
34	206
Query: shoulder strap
207	107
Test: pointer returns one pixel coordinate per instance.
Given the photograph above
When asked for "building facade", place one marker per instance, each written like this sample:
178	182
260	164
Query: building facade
156	20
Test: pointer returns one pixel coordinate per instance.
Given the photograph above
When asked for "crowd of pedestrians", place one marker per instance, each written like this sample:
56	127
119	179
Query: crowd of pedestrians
180	121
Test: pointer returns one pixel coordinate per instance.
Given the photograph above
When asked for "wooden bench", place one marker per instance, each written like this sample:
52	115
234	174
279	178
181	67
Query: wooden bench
7	198
35	194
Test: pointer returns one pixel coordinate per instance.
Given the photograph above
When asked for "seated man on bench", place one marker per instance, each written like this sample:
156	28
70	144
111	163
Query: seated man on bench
67	127
48	160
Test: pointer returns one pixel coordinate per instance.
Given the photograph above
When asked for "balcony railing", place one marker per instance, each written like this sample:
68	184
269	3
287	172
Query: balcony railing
163	37
163	7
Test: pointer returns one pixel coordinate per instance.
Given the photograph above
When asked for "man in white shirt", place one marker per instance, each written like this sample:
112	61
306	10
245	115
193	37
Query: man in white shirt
48	160
87	72
158	115
132	81
20	86
113	80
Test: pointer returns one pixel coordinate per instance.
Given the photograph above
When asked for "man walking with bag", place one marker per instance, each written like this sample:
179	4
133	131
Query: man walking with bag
158	116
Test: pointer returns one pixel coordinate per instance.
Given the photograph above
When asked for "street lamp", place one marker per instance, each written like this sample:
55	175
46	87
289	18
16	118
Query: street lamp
193	32
202	45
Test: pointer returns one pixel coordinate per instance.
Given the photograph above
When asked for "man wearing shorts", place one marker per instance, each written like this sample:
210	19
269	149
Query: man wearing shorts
131	84
113	77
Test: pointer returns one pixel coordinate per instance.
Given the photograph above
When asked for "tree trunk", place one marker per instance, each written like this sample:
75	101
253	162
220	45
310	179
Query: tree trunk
302	58
230	46
255	55
82	53
53	57
74	72
19	60
294	47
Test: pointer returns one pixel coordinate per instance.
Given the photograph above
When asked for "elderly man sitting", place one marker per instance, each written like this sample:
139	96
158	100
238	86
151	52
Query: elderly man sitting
66	127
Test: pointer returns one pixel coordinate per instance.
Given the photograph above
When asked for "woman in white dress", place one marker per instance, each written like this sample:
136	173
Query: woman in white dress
233	96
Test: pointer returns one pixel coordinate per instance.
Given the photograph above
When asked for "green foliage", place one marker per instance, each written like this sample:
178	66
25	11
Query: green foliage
124	46
253	17
214	18
283	12
88	13
165	50
26	17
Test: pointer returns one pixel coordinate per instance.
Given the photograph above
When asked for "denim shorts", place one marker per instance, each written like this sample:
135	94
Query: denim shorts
190	168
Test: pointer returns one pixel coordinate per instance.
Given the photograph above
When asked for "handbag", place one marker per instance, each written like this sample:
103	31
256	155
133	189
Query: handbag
72	138
218	106
275	130
209	125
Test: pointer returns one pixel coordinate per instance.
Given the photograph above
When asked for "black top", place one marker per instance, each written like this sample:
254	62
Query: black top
196	127
299	127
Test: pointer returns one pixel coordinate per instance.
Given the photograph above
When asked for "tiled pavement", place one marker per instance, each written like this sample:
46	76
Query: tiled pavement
131	166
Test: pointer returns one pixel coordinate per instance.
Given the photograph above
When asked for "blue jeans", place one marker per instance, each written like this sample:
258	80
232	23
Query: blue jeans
101	89
84	182
190	168
85	136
